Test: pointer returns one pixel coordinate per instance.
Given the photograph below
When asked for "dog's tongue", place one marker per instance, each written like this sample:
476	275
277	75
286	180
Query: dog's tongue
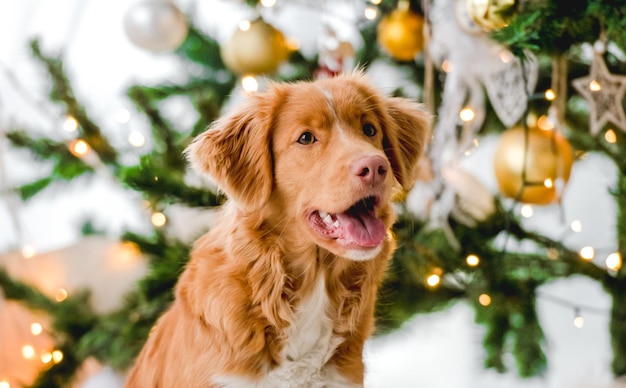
361	229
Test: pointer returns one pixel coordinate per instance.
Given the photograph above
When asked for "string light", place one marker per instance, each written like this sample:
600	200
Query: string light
610	136
579	321
472	260
70	124
376	2
595	86
46	357
526	211
433	280
467	114
28	251
548	183
370	13
158	219
484	300
545	123
57	356
550	95
5	384
250	84
60	295
268	3
587	253
36	328
576	226
79	148
136	139
122	116
614	261
244	25
446	66
28	352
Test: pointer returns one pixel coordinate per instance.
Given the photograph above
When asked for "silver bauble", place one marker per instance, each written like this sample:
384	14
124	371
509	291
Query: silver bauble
156	25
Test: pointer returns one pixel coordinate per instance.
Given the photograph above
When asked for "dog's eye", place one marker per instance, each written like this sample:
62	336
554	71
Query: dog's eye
369	130
307	138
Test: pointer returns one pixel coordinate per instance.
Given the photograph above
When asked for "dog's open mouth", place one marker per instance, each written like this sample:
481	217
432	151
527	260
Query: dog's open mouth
356	226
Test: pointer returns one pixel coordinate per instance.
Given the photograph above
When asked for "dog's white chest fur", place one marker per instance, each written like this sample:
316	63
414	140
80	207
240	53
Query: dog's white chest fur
310	344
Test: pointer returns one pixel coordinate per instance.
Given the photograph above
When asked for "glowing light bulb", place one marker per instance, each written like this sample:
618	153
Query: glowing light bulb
370	13
4	384
550	95
579	321
446	66
376	2
36	328
472	260
249	84
79	148
467	114
545	123
136	139
244	25
57	356
122	116
46	357
28	352
60	295
433	280
158	219
587	253
70	124
614	261
527	211
268	3
548	183
610	136
28	251
595	86
576	226
484	299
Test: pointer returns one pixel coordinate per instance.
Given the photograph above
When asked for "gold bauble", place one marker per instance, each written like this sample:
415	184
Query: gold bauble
255	48
401	34
549	159
491	14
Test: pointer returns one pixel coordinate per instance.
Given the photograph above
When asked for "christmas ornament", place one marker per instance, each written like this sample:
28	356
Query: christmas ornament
401	33
156	25
256	47
604	92
491	14
532	170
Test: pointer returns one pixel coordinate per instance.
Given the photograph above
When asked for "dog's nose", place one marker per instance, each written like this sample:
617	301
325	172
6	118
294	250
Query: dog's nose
371	169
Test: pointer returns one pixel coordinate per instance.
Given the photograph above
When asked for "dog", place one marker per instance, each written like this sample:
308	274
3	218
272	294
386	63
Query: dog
281	292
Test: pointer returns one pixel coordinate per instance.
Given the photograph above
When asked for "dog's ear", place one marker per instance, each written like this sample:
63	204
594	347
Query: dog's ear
405	137
236	152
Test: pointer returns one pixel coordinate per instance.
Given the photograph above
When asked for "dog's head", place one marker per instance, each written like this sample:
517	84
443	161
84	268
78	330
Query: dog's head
326	155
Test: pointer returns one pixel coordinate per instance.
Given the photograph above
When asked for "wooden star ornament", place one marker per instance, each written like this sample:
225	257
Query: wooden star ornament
604	92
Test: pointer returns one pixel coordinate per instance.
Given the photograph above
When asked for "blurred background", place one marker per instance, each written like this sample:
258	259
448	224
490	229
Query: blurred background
509	267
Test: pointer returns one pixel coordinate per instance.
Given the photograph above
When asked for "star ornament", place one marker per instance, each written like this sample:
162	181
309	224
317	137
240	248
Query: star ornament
604	92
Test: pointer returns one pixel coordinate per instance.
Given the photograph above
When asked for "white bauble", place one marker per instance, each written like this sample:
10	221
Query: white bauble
156	25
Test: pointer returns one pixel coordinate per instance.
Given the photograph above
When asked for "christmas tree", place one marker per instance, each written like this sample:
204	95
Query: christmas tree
540	76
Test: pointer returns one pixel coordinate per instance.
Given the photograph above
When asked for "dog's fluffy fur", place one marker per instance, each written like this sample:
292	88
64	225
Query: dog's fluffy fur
281	292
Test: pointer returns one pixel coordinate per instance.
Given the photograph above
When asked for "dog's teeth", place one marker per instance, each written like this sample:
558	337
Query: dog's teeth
336	223
323	214
328	219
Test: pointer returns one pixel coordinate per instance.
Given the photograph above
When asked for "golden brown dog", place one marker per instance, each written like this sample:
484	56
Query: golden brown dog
281	292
